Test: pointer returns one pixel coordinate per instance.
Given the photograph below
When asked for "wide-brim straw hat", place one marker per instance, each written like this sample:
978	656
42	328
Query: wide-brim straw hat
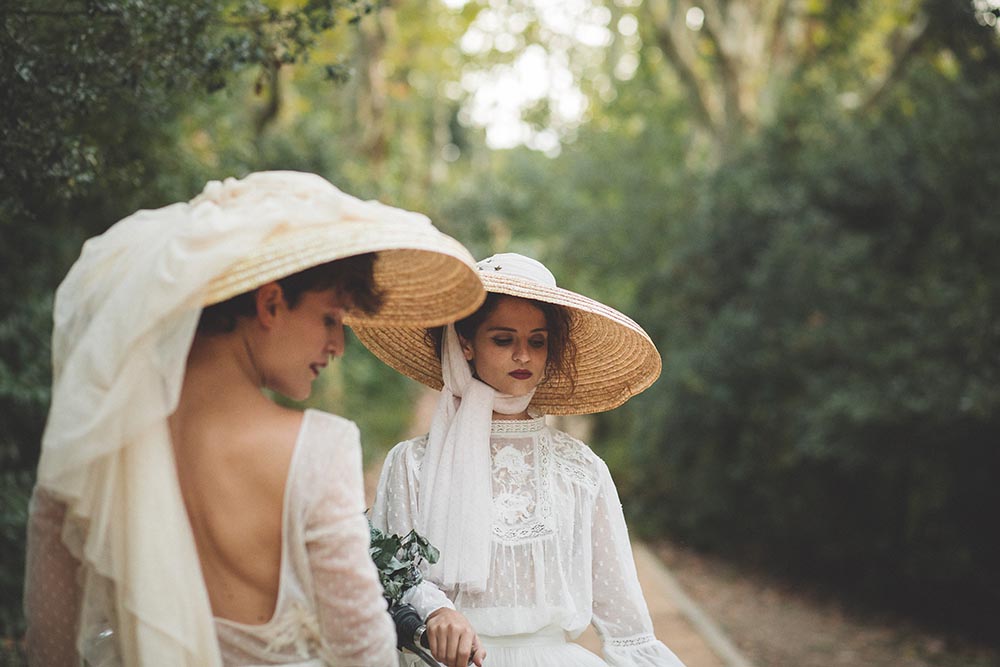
615	358
427	278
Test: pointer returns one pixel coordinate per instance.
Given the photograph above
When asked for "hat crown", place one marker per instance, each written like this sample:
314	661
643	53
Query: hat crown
297	199
514	265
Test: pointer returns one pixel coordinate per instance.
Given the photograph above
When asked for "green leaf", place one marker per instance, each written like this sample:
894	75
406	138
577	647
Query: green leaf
398	560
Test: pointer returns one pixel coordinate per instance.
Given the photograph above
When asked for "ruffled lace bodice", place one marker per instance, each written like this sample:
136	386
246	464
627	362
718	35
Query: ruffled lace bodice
560	552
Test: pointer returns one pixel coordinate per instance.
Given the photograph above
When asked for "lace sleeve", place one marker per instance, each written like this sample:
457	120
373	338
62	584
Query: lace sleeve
620	613
395	511
395	507
51	593
351	611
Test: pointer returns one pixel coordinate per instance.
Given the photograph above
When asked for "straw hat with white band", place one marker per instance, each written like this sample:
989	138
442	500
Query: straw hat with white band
615	358
426	276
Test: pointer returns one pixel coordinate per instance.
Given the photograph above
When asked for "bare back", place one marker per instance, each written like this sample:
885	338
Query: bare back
232	467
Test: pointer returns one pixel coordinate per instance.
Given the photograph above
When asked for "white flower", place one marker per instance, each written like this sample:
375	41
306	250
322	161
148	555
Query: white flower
510	459
512	508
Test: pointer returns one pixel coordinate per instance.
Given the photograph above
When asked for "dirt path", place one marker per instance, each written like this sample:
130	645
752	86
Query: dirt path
780	624
677	619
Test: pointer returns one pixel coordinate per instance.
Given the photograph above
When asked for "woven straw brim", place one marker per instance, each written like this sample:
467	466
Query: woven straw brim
427	278
615	358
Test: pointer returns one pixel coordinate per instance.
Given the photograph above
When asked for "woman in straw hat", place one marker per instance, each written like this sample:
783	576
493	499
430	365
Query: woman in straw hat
180	516
533	542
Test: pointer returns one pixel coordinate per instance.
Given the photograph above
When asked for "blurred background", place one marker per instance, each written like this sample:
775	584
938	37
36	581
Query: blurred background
798	199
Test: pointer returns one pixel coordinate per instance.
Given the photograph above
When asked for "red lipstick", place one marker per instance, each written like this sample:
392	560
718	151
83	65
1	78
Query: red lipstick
520	374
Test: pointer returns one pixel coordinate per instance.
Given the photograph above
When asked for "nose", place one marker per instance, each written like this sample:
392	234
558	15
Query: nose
522	353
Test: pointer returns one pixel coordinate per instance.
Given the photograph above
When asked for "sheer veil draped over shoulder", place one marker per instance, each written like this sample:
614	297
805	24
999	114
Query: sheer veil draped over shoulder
455	513
124	320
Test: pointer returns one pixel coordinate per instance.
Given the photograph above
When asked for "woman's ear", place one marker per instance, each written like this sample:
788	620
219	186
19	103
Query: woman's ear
466	348
269	298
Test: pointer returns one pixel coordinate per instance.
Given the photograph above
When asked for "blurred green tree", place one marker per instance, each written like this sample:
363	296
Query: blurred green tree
734	59
828	311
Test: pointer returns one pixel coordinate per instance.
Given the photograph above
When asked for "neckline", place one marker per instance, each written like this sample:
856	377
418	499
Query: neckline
530	425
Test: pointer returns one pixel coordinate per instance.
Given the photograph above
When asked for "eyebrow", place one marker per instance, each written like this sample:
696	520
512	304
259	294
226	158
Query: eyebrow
513	330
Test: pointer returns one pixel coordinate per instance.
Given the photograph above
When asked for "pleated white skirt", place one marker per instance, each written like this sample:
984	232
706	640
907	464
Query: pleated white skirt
565	655
546	648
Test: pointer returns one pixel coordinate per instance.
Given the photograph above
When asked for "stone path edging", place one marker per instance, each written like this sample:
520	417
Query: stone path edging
658	576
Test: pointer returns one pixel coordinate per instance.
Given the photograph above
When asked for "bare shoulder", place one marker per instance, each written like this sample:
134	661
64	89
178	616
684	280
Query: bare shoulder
265	444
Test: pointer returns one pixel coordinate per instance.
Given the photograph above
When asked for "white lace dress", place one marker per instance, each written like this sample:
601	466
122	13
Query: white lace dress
329	610
560	553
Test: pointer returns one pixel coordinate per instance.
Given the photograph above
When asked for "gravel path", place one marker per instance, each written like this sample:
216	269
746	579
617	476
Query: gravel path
678	621
778	624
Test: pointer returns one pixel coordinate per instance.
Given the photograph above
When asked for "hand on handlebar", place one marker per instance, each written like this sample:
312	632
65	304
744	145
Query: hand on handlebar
451	639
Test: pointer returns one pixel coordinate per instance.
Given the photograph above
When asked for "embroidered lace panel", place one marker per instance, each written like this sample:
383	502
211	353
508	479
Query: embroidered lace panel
522	497
574	460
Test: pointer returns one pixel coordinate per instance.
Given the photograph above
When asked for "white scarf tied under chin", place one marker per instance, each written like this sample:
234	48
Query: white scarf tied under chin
456	500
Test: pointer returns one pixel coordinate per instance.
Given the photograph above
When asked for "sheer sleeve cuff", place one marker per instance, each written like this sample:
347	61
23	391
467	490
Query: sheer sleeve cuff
427	598
639	651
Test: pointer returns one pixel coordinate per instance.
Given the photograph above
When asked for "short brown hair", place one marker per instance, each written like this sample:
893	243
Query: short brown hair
353	277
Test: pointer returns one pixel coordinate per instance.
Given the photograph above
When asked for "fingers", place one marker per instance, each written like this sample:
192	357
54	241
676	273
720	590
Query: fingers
459	647
479	653
451	639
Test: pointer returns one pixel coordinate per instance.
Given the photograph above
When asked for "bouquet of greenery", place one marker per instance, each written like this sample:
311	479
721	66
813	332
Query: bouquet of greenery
398	560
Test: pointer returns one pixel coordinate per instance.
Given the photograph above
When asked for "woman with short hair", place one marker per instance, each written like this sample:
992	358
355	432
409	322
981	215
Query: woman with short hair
181	516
